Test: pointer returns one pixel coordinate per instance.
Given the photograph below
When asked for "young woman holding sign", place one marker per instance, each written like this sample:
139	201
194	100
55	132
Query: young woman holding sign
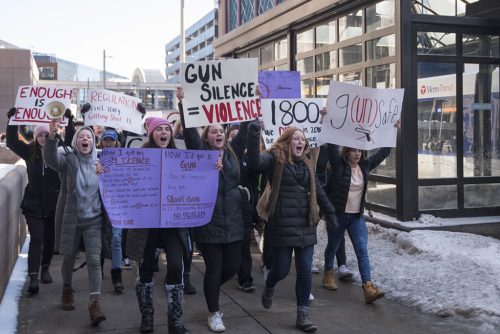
142	244
293	212
220	240
347	191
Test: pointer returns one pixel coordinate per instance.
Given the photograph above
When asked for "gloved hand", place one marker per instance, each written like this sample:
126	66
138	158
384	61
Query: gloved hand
86	107
141	109
68	114
254	128
11	112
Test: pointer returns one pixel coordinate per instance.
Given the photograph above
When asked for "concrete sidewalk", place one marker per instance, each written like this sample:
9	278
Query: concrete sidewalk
341	311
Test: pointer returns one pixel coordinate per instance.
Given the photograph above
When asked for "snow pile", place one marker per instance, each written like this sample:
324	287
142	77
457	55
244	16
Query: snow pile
445	273
430	220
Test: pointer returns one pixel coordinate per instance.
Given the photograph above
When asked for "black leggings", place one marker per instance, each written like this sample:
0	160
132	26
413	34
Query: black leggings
42	235
170	241
222	262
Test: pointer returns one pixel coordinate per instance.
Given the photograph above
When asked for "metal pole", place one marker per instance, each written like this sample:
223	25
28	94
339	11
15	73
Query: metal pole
182	56
104	69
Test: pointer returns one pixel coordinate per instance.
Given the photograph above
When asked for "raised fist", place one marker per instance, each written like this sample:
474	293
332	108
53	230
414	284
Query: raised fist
86	107
11	112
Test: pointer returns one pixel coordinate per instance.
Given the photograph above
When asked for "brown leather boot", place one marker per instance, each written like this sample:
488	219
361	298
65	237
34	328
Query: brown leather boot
67	299
96	315
329	280
372	293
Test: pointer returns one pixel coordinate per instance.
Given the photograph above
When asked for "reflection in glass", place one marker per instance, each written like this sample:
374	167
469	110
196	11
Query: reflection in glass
325	34
282	67
437	197
265	5
381	47
481	138
351	54
481	195
436	92
322	85
380	15
305	65
305	41
233	14
436	43
325	61
382	76
440	7
351	25
383	194
266	54
247	10
353	78
307	87
480	45
281	49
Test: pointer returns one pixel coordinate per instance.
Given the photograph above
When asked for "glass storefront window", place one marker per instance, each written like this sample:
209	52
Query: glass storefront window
281	49
439	197
323	85
436	92
381	47
266	54
307	87
325	61
353	78
436	43
441	7
351	25
481	110
380	15
481	195
305	41
351	54
282	67
382	76
305	65
325	34
383	194
480	46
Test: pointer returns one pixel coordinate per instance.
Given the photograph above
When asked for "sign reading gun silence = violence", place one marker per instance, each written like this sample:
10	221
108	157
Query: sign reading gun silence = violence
219	92
361	117
31	104
280	114
156	188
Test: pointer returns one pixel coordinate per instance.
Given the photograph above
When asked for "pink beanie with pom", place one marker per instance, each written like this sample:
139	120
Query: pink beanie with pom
39	129
154	122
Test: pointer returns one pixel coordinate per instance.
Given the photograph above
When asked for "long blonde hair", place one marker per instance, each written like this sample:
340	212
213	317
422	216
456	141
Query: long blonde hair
282	149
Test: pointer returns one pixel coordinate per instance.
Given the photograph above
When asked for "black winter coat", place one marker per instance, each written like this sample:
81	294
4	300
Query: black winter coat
340	177
226	225
42	191
289	226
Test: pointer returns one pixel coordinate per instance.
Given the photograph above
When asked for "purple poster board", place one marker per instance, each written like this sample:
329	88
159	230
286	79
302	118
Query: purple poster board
189	187
153	188
279	84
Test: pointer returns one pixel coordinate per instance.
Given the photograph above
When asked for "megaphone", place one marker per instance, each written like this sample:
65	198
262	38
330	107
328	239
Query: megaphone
55	109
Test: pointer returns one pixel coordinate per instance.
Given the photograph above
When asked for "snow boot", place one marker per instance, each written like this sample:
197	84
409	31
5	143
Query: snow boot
371	292
329	280
174	301
144	292
33	286
116	279
67	299
45	277
303	322
96	315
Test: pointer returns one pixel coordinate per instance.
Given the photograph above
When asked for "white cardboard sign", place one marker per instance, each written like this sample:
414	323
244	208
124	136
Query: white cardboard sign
220	91
279	114
116	110
361	117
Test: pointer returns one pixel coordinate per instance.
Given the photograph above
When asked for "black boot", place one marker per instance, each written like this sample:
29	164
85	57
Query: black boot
116	279
175	298
267	297
144	292
45	275
33	287
188	288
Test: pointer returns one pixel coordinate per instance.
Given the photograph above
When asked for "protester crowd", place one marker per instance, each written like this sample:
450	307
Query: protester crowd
282	192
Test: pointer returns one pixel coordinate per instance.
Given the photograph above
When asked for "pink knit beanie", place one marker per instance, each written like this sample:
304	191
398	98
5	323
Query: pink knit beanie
39	129
154	122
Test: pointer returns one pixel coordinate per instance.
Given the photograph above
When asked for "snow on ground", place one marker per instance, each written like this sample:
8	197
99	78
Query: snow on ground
449	274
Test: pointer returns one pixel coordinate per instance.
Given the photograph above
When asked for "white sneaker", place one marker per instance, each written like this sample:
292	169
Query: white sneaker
314	268
344	272
311	297
126	264
215	322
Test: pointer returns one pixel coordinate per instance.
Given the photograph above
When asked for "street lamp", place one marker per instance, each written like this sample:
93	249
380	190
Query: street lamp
104	68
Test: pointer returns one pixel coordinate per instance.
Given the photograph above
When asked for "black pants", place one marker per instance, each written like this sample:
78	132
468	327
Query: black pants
188	256
124	243
42	235
222	261
245	272
171	243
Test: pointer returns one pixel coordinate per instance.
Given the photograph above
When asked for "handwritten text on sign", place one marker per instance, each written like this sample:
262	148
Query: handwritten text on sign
31	102
280	84
361	117
153	188
218	92
113	109
283	113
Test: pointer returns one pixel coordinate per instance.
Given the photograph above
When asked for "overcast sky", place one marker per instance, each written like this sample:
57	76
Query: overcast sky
134	33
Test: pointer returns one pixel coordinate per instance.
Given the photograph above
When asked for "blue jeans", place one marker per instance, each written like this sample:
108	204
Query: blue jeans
356	227
116	248
280	267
